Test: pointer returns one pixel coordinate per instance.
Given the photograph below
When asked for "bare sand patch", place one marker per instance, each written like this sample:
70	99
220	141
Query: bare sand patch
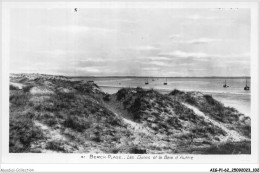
17	85
41	90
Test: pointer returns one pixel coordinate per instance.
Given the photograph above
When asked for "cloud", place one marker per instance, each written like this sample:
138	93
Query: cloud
89	69
194	17
201	57
203	41
159	58
86	60
142	51
213	63
80	29
182	54
158	63
235	57
103	36
146	48
174	36
150	68
96	62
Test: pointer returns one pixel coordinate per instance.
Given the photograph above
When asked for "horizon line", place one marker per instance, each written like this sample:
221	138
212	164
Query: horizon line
131	76
162	76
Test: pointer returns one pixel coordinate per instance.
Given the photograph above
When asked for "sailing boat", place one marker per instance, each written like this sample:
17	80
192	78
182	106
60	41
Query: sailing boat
165	83
146	83
225	85
246	87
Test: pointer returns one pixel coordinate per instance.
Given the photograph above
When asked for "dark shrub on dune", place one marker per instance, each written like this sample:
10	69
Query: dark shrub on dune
23	132
210	100
113	120
139	89
243	147
27	88
176	92
48	119
55	145
67	96
136	150
94	84
11	87
175	122
76	123
191	100
121	93
135	109
19	99
107	97
246	130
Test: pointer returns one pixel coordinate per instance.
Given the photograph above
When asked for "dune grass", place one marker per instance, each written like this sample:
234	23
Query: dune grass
81	115
23	132
216	110
243	147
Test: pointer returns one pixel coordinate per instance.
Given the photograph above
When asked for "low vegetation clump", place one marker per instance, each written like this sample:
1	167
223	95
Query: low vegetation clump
27	88
176	92
106	97
55	146
243	147
22	132
136	150
12	87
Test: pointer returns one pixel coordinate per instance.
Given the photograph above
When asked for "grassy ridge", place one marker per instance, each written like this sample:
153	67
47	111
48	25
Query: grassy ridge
80	111
216	110
55	114
154	108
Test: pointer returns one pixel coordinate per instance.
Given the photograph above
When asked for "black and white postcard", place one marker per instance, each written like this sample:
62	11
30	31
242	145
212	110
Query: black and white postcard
107	83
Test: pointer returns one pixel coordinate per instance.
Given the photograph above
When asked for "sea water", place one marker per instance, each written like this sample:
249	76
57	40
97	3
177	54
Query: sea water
233	96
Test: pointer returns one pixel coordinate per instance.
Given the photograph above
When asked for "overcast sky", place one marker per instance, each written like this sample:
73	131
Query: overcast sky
138	42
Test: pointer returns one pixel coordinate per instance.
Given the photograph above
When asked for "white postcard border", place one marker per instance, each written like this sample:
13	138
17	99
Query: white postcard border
76	158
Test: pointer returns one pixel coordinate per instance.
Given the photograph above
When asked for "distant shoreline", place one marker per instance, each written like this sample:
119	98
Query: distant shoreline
167	90
216	77
206	77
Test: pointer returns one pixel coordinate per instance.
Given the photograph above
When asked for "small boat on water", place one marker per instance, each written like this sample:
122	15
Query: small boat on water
165	83
225	85
246	88
146	82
